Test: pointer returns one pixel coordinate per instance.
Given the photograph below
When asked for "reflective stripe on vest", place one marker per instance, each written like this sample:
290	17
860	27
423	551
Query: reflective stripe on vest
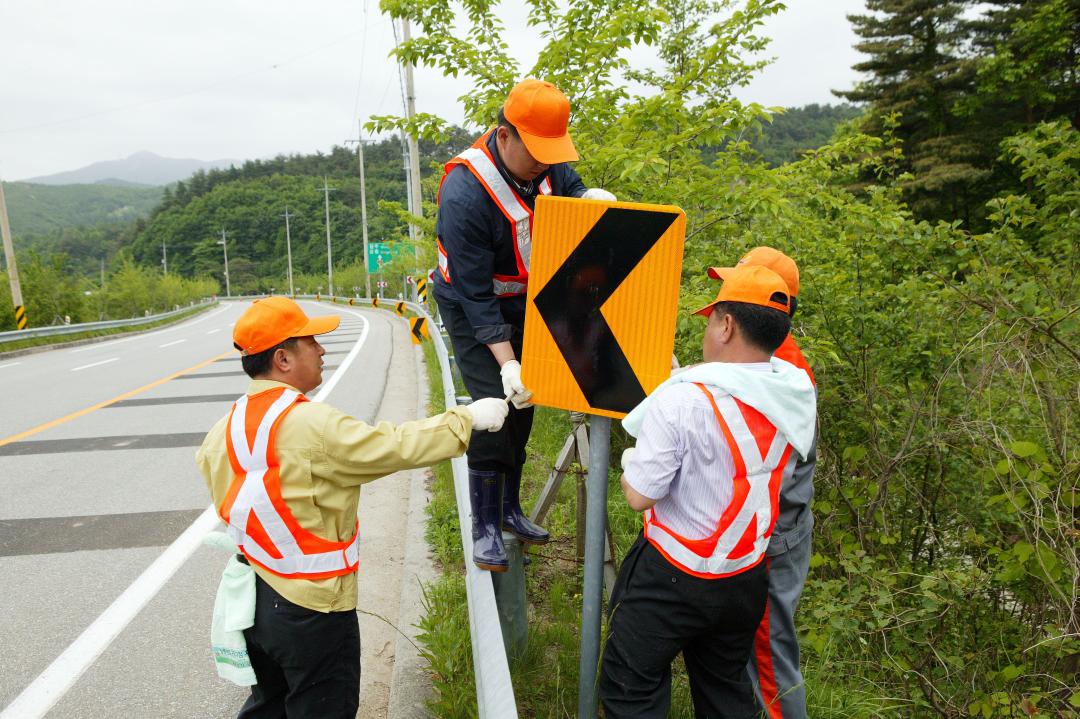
480	163
761	456
258	519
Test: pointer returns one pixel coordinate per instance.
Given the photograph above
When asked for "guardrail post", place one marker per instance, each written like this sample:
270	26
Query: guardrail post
510	598
592	591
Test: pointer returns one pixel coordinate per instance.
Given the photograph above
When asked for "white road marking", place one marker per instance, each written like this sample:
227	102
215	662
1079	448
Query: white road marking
9	364
170	344
109	343
58	677
95	364
213	331
42	694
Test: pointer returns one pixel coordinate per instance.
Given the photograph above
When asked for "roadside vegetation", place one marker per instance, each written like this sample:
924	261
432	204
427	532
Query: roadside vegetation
941	311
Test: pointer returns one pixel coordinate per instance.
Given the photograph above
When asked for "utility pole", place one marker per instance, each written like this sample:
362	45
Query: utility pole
13	269
363	204
414	151
225	248
288	249
164	259
329	251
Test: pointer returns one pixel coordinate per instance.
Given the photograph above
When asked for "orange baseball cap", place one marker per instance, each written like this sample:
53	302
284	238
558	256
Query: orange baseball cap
775	260
752	284
541	113
272	320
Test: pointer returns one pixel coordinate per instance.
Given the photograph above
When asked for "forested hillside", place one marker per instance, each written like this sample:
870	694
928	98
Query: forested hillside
792	132
249	203
44	209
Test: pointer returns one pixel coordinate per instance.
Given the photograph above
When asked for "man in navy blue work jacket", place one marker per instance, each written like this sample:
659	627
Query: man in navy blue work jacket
484	239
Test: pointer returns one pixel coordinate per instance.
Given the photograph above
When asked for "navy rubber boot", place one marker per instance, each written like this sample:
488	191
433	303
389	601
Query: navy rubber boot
485	490
513	519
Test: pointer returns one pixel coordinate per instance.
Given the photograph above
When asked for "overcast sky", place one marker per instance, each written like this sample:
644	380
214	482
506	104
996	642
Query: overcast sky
208	79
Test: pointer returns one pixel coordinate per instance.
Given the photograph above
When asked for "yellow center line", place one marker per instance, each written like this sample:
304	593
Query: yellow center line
106	403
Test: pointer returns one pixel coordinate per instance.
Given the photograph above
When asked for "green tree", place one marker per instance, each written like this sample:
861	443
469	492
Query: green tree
915	77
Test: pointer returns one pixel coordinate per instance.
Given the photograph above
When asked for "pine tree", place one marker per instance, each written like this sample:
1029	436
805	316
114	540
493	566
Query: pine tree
1027	63
917	74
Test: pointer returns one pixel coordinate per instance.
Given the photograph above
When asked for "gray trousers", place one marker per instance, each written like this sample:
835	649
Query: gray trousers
774	665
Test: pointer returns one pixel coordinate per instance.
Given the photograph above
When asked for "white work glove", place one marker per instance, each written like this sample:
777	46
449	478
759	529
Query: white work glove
488	414
512	387
627	455
596	193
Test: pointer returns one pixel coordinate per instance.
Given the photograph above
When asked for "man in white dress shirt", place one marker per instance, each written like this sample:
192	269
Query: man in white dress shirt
713	445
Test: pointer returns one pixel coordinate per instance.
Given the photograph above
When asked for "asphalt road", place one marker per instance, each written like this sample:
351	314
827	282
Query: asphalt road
91	500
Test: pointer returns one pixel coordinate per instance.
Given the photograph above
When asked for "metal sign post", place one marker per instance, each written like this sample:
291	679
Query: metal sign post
591	593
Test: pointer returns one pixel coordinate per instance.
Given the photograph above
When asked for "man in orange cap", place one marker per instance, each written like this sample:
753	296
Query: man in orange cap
285	476
712	445
774	666
484	227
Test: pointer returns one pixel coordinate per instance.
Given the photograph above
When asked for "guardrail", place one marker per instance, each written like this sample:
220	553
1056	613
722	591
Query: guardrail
57	330
494	691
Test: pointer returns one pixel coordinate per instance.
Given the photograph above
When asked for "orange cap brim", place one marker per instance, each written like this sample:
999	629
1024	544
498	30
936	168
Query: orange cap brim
549	150
706	310
720	273
318	326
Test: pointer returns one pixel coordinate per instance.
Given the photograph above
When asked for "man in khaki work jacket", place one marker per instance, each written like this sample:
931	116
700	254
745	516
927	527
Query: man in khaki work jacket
285	476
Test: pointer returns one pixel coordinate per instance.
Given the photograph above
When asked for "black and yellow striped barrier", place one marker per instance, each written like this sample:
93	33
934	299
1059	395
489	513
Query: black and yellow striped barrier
20	317
421	290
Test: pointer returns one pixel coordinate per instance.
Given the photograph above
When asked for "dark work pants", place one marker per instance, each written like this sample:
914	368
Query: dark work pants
503	450
774	666
658	611
307	663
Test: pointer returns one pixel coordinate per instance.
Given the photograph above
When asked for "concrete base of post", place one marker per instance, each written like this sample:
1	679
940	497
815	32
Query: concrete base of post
510	598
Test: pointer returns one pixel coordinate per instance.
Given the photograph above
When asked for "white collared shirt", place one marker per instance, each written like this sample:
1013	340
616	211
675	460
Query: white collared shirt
683	461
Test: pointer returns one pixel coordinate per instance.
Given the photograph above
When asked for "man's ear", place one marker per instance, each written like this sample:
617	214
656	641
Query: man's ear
281	360
501	133
728	328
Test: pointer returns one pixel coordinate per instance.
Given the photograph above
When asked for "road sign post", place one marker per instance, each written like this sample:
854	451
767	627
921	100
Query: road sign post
599	331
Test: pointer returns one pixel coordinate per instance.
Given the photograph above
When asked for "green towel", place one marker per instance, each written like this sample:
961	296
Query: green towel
234	611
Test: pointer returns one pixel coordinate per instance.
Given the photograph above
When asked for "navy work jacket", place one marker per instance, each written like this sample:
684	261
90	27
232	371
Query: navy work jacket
479	244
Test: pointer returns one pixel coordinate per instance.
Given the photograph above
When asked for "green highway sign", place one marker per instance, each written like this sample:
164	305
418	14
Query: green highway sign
382	253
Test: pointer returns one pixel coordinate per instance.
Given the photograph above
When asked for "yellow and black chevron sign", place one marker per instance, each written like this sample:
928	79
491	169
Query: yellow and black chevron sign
400	309
20	317
419	330
374	301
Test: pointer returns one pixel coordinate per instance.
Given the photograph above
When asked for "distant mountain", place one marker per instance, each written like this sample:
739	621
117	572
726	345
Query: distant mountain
142	168
37	209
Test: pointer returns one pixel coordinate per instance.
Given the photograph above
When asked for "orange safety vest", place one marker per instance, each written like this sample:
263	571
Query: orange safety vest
742	533
482	165
790	352
258	519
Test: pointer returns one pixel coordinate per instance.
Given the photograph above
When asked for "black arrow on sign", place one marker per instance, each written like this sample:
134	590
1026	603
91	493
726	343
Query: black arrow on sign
571	300
418	328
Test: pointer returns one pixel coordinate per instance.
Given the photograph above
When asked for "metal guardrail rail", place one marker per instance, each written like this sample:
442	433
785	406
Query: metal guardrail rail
494	690
58	330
